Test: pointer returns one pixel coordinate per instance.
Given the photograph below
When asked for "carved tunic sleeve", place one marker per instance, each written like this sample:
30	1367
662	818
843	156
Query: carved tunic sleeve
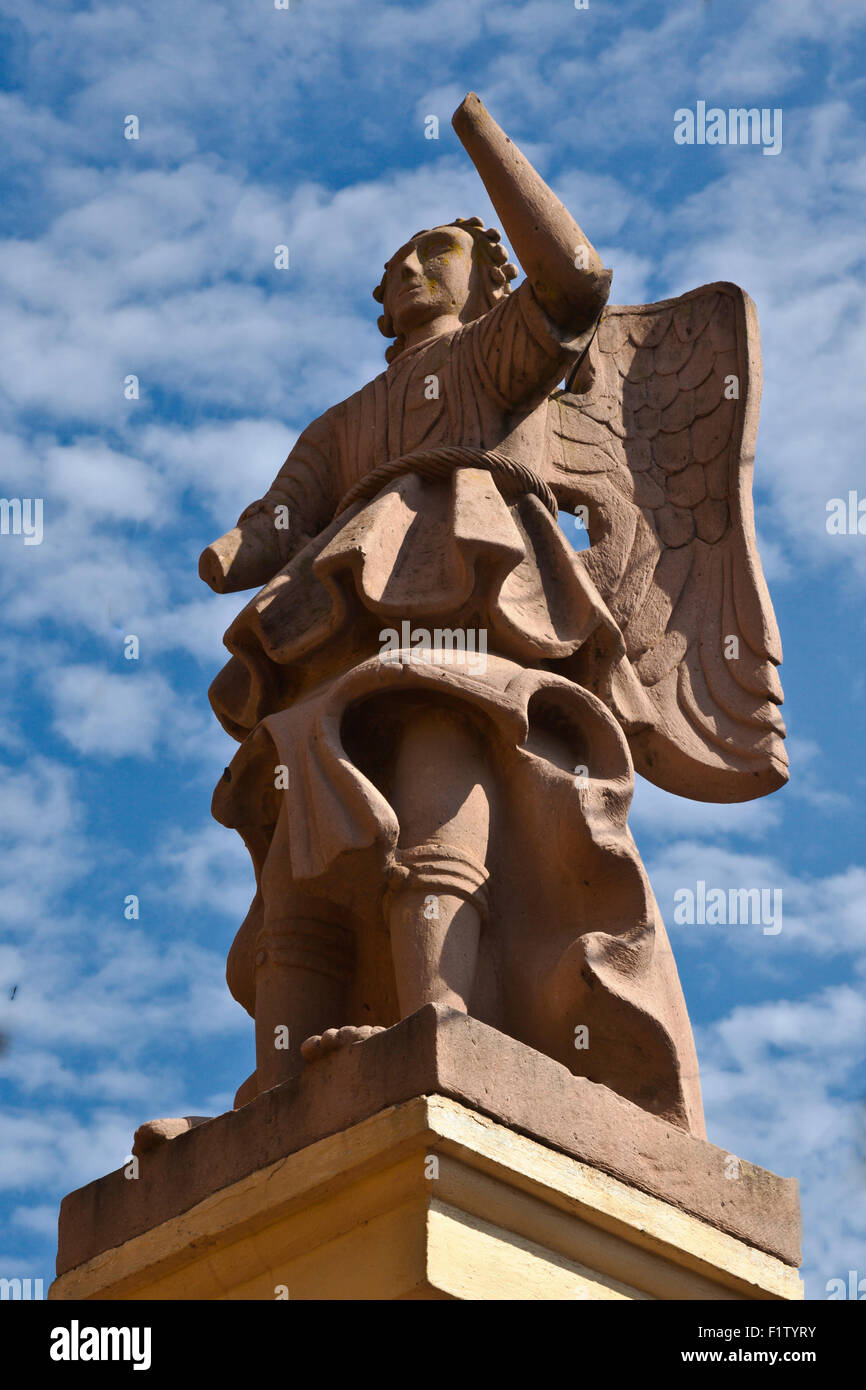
305	485
518	351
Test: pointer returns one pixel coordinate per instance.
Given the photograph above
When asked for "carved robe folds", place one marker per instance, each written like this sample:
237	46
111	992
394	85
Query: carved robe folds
572	934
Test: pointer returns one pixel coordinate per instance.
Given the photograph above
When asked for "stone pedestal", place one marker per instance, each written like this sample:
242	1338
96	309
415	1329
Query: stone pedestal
439	1159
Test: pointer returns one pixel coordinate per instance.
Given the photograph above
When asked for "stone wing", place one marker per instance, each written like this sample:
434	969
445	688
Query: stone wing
655	437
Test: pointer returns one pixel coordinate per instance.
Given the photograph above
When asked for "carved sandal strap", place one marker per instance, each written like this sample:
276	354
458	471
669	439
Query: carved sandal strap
513	477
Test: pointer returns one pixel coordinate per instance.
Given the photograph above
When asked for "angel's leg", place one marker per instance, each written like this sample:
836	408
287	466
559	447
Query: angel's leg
303	962
441	788
442	793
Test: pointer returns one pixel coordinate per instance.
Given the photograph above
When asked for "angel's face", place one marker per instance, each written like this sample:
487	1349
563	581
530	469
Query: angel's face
431	276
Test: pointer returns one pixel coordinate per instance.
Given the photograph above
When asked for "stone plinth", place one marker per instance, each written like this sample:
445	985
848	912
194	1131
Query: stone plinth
439	1159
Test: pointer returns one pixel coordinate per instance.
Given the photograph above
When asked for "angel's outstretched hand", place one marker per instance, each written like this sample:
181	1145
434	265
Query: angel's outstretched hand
246	557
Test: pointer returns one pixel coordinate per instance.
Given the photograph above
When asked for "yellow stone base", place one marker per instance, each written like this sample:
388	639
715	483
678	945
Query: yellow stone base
430	1199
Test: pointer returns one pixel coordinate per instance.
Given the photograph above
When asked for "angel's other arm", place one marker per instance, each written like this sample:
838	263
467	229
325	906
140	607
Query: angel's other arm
561	265
298	505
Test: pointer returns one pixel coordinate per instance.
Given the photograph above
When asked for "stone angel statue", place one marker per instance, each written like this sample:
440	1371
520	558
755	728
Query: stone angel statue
440	703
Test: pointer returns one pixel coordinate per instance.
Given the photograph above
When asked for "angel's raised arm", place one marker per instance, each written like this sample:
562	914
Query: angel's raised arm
561	265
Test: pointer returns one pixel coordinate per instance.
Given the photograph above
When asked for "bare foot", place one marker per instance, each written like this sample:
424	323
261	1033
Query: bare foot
322	1043
156	1132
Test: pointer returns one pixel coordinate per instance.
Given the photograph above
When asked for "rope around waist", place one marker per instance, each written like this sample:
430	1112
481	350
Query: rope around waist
512	478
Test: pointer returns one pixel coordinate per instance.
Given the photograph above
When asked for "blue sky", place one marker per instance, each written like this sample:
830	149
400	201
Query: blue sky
155	257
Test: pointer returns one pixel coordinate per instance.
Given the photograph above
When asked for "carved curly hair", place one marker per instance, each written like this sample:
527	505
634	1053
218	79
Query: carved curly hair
488	253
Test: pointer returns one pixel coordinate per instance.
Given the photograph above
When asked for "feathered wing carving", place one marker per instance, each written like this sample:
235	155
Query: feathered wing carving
656	439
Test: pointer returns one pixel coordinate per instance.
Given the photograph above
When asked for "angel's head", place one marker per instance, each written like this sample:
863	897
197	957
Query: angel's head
457	271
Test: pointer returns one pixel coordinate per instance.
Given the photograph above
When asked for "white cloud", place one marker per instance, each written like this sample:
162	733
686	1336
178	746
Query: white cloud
210	870
98	482
53	1147
811	301
824	916
659	814
780	1090
226	465
114	716
765	56
42	1219
126	989
42	834
78	580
